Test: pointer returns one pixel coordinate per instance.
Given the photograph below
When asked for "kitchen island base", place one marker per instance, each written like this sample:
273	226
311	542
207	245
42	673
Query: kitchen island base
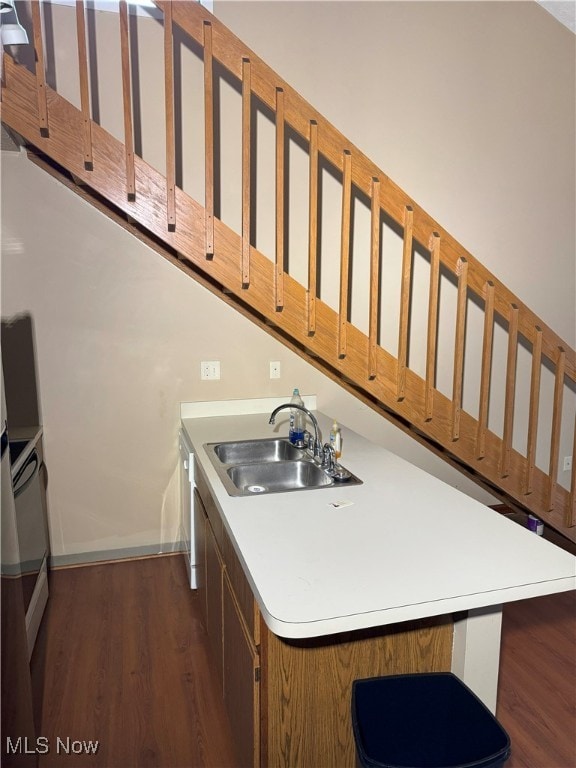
289	700
306	686
306	592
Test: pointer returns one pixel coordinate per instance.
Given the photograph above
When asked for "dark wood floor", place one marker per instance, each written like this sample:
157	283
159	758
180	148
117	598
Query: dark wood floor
537	684
121	659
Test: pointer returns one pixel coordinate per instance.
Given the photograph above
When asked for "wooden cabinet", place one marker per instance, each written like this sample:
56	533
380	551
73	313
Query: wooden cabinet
232	625
199	522
289	701
214	583
307	686
241	681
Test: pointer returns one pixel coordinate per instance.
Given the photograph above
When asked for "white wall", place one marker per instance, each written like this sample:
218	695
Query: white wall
467	106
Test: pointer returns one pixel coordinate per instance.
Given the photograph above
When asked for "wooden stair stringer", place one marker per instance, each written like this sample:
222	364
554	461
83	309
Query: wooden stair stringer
64	146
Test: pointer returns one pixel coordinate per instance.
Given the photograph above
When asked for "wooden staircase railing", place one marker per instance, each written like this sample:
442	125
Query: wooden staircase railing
74	140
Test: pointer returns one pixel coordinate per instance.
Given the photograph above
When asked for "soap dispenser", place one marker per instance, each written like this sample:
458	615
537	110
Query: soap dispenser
336	439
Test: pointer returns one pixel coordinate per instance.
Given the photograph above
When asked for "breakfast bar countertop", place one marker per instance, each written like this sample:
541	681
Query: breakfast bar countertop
403	545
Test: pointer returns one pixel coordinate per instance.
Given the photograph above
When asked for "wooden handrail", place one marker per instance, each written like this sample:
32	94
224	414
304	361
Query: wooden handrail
345	252
556	426
432	325
487	340
40	70
246	166
84	90
169	106
458	379
534	410
127	102
209	138
570	514
510	391
405	297
312	228
280	186
263	283
374	278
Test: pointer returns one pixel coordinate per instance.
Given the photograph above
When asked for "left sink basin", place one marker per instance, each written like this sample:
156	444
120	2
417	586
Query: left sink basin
255	451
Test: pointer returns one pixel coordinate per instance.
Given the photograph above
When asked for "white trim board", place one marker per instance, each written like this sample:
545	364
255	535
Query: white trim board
239	407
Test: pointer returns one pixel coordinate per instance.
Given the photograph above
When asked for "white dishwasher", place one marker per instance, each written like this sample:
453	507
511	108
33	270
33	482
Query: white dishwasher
187	506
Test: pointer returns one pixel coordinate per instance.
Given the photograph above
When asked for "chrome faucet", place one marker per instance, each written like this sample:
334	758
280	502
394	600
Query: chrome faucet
317	448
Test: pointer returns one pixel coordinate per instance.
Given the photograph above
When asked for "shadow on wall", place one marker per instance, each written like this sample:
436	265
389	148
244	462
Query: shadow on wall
19	364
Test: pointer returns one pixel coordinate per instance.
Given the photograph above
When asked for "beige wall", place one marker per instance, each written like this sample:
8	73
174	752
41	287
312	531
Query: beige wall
470	107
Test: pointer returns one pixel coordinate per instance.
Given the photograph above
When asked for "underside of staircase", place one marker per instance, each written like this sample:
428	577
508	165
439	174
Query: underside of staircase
66	141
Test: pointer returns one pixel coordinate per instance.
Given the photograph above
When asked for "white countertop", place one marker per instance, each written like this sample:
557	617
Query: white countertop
408	546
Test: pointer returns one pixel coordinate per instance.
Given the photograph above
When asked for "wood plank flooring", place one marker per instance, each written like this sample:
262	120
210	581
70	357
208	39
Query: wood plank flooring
121	659
537	684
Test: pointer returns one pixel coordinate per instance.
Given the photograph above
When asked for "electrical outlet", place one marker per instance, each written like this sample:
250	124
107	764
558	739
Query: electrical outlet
567	463
275	370
210	370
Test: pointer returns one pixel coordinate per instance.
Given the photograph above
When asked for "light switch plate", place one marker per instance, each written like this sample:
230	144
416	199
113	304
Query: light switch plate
275	370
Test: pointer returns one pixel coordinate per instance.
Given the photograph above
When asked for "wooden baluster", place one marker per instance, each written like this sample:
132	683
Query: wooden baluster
374	278
127	100
345	252
434	246
40	70
169	100
405	303
84	89
510	391
534	407
486	367
460	339
208	139
570	516
556	427
246	182
312	228
279	264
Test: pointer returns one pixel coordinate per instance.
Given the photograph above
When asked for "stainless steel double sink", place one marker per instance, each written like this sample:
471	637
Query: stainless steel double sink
269	465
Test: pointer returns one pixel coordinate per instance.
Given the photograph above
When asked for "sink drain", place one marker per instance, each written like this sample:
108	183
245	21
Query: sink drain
256	488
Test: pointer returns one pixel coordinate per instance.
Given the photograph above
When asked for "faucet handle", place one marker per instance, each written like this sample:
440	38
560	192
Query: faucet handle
328	457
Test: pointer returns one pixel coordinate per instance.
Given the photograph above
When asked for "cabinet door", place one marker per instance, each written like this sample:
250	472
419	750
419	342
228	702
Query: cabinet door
200	523
214	624
241	683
